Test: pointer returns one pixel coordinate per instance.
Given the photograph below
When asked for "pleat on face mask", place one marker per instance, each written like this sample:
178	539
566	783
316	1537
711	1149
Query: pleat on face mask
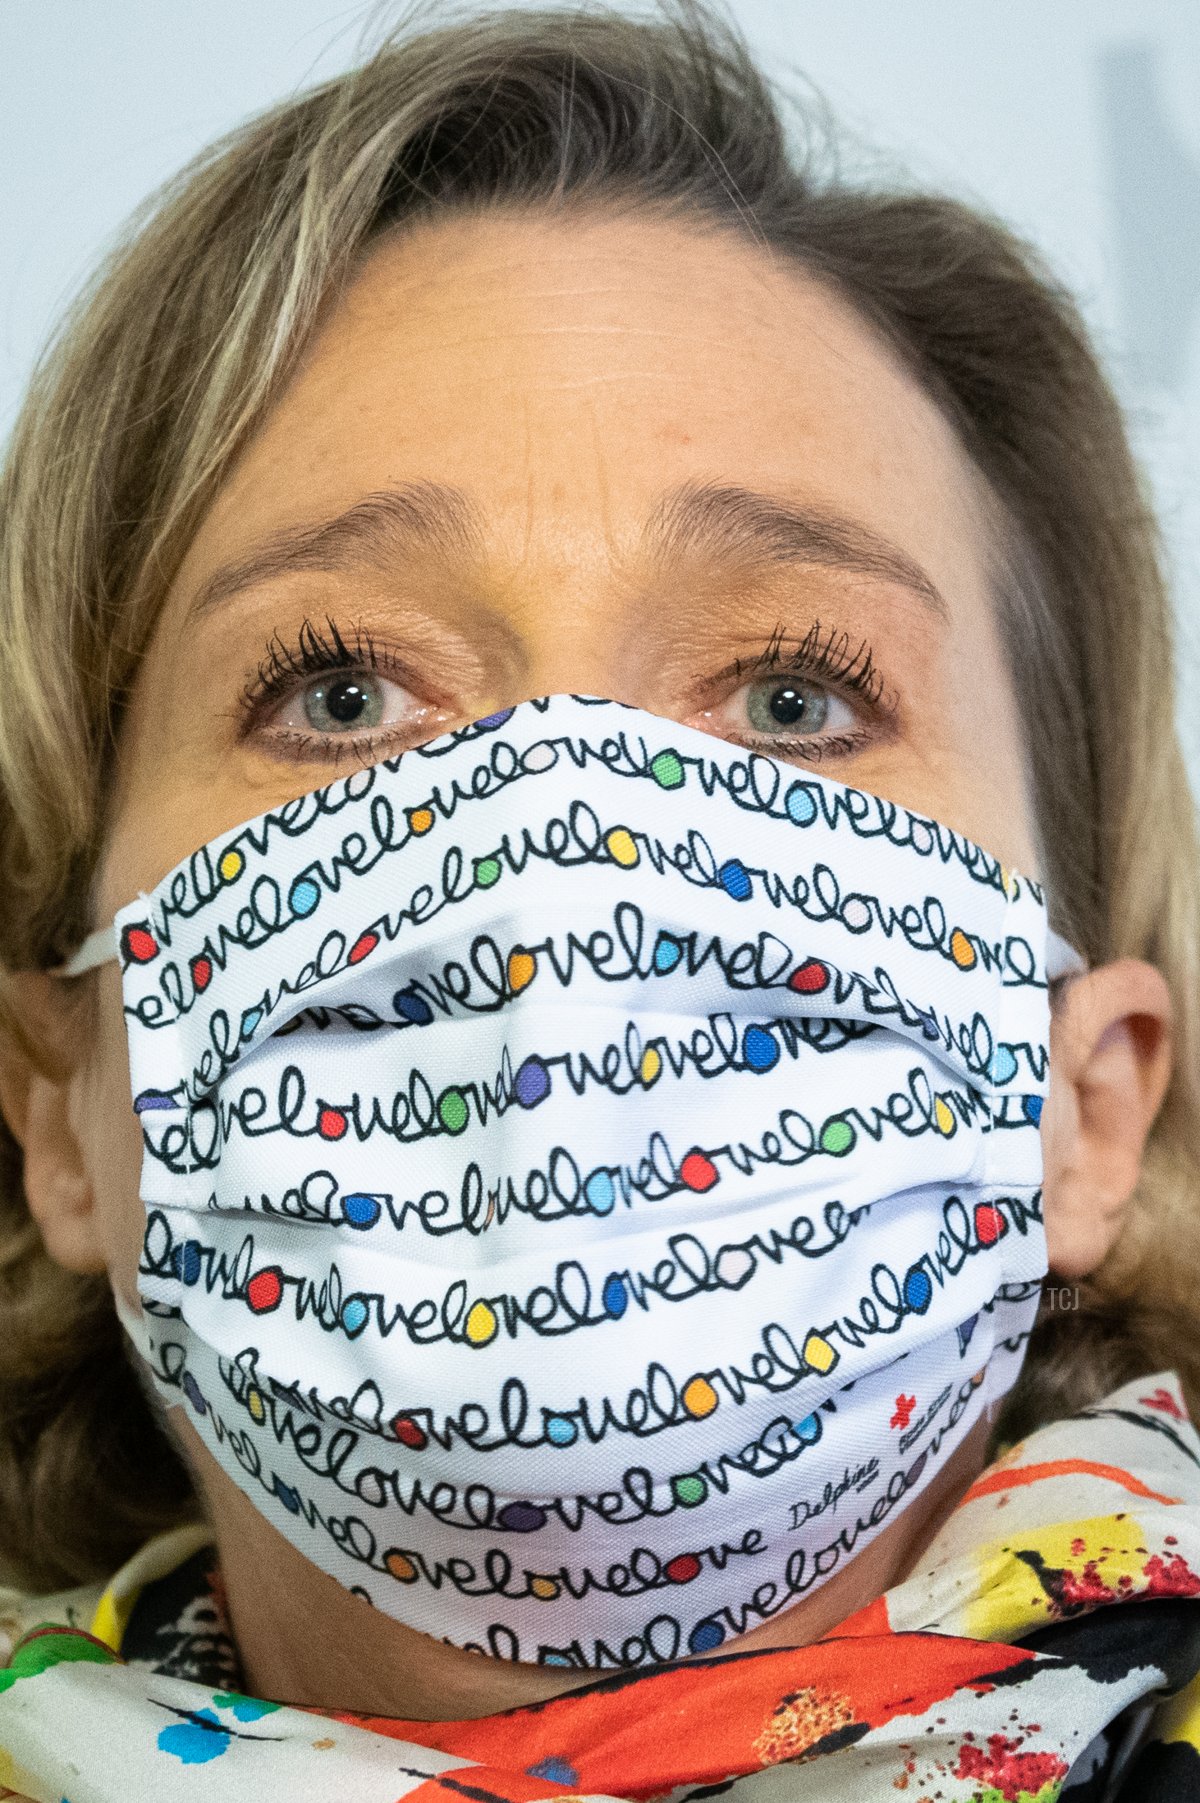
592	1172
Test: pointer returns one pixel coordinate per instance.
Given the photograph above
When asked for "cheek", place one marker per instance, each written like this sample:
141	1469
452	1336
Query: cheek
111	1141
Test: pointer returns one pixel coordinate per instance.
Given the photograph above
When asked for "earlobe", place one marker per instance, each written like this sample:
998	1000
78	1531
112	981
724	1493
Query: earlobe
1110	1064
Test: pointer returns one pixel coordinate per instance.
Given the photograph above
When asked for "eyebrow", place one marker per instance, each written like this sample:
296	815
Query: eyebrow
724	522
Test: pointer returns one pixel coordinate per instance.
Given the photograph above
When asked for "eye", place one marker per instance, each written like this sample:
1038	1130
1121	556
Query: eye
788	709
348	702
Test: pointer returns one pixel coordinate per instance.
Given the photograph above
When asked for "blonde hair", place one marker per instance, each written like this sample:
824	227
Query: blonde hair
167	363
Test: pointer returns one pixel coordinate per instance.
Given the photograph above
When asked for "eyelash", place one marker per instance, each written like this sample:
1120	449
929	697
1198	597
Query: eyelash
825	656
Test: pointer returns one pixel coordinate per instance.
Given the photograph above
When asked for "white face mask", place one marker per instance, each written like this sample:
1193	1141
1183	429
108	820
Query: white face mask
591	1173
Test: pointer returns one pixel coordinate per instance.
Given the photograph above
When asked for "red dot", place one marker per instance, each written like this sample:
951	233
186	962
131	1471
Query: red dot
810	978
990	1224
331	1123
201	973
140	945
363	946
683	1568
264	1290
698	1172
410	1432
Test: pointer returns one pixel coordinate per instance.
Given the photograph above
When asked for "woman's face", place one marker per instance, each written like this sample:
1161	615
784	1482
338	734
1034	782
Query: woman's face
614	456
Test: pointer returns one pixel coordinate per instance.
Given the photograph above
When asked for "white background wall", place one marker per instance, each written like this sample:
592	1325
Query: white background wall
1076	120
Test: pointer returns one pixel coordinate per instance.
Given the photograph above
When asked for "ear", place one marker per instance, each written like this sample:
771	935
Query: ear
39	1039
1110	1063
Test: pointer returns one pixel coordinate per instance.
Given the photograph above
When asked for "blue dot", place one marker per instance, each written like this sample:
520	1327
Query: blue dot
759	1048
186	1261
354	1315
288	1497
809	1430
151	1099
560	1431
600	1192
303	895
412	1007
667	954
615	1296
531	1084
192	1391
554	1659
250	1020
361	1211
555	1771
918	1289
1033	1108
735	879
490	722
1004	1064
802	809
705	1636
929	1025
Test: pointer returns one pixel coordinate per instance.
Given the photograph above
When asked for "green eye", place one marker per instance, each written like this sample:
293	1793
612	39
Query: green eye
349	702
787	707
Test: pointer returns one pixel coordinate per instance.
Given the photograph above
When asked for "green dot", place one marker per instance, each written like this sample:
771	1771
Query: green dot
667	770
837	1136
452	1110
487	872
690	1490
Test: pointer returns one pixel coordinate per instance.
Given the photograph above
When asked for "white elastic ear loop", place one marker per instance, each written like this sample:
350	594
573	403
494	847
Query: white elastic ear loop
98	948
1062	960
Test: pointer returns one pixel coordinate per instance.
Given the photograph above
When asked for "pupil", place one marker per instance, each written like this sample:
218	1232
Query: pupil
345	700
786	705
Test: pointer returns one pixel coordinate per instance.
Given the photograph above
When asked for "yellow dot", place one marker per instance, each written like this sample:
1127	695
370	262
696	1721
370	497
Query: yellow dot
621	848
522	968
546	1588
961	949
481	1324
256	1405
231	865
943	1114
420	820
651	1066
401	1567
699	1397
819	1353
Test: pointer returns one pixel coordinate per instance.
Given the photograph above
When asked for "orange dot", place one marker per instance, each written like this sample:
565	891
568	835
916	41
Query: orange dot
961	949
522	968
699	1397
401	1567
420	820
545	1588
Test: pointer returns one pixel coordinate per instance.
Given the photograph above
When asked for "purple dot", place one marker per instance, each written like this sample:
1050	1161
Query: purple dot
531	1084
490	722
150	1099
191	1390
521	1517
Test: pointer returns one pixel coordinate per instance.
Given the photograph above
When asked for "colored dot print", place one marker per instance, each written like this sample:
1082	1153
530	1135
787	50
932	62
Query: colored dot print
801	808
734	878
362	948
809	978
481	1324
360	1210
331	1123
401	1567
759	1049
1003	1067
819	1353
601	1192
487	872
151	1099
808	1431
250	1020
697	1172
231	865
138	944
1032	1106
288	1497
545	1589
615	1296
202	971
561	1430
837	1136
522	968
303	896
961	949
667	954
186	1261
265	1289
452	1110
621	847
651	1066
918	1289
490	722
699	1398
256	1405
521	1517
355	1315
690	1490
929	1026
856	915
706	1636
420	820
410	1433
197	1741
990	1224
682	1568
943	1114
412	1007
531	1084
667	770
194	1394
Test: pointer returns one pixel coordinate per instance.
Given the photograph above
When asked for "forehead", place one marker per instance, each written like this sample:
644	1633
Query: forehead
567	371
